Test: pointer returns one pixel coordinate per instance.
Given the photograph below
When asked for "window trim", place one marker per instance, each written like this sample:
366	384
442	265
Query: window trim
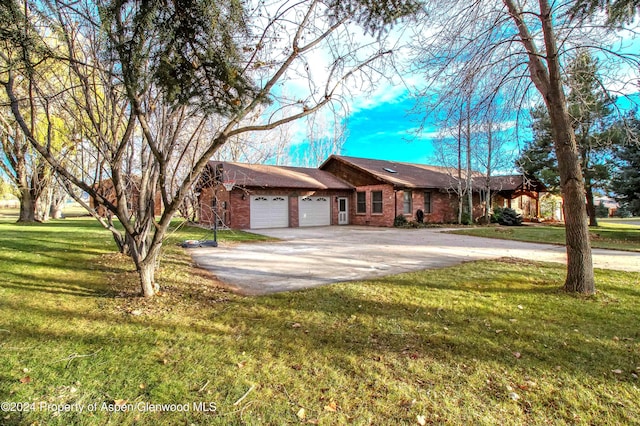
375	203
361	204
424	207
407	202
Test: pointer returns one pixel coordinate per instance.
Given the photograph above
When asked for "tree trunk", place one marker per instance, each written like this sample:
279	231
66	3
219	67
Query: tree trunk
55	210
591	207
580	276
469	179
147	272
546	76
27	207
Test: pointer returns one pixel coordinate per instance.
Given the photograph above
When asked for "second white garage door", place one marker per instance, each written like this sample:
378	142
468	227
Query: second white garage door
314	211
269	211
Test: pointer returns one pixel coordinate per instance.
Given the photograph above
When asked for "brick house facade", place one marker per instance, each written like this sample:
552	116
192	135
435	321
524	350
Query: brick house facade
254	183
343	190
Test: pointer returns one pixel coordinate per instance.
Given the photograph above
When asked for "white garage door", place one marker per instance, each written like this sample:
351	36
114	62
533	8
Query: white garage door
314	211
269	211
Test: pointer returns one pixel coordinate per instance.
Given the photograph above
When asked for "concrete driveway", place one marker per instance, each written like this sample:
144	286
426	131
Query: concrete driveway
310	257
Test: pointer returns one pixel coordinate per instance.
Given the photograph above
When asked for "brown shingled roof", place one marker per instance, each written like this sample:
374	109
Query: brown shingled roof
399	174
411	175
513	182
265	176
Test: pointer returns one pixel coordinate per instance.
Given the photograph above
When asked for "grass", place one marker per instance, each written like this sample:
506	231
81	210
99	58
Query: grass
483	343
617	235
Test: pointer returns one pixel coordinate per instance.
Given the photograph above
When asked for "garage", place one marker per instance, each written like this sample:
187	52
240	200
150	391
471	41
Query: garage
269	211
314	211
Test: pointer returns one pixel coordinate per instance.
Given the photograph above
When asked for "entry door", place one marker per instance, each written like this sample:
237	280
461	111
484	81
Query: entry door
343	211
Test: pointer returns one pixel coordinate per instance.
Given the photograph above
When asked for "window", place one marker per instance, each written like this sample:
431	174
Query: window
427	202
407	202
361	202
376	202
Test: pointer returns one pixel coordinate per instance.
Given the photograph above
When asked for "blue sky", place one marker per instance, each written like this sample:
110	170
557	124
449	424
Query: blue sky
385	131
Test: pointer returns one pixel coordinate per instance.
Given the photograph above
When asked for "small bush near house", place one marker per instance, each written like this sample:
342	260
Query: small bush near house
509	217
496	215
400	221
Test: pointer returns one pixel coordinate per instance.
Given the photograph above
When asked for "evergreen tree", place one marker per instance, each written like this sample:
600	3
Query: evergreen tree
626	177
590	111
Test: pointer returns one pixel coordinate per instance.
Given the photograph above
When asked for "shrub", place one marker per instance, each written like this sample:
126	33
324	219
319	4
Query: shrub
510	217
400	221
496	216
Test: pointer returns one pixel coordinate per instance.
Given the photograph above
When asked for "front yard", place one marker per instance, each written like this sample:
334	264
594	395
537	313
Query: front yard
483	343
616	235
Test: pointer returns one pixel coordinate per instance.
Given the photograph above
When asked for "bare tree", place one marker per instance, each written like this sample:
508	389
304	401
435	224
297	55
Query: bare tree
155	92
523	46
27	170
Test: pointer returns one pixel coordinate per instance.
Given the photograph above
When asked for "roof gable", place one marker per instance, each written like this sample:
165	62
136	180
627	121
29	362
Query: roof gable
399	174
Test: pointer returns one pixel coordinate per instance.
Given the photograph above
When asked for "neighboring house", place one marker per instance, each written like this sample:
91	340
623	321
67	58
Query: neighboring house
106	189
343	190
609	203
265	196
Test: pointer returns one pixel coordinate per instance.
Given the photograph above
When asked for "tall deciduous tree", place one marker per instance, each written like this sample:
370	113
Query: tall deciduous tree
156	87
521	45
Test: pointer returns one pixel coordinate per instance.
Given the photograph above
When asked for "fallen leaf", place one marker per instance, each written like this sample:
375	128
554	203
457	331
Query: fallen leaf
616	338
241	364
332	407
422	420
25	379
302	414
119	402
518	355
499	331
296	325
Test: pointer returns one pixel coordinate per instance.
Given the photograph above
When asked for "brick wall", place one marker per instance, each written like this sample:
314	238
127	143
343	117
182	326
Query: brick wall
369	218
236	211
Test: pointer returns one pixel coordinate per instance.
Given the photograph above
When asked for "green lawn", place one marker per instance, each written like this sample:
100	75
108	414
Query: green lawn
618	235
480	343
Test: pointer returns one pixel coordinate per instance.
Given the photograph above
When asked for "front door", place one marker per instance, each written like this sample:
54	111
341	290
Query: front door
343	211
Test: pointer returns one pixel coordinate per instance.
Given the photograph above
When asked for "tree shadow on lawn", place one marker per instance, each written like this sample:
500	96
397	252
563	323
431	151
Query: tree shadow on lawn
488	326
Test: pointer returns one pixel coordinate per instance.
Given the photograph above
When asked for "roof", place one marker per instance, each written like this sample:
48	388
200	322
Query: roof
411	175
514	182
266	176
400	174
